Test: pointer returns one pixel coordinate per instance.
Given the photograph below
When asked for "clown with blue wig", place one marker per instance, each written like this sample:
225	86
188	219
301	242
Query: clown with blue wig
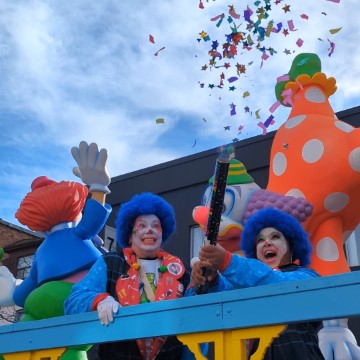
277	250
139	271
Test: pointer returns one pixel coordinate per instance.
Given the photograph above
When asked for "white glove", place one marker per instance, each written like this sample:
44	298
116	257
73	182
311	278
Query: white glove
106	308
337	342
7	287
91	167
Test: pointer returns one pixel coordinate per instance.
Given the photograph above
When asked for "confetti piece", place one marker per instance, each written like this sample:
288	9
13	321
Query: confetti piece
304	16
278	28
286	8
227	127
334	1
245	94
334	31
291	25
262	126
151	39
299	42
160	121
283	78
240	127
232	79
194	143
233	109
257	114
274	106
269	121
156	54
286	94
331	48
233	13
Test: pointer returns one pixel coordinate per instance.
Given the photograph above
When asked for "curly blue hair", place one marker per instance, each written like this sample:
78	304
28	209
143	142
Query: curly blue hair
291	228
144	204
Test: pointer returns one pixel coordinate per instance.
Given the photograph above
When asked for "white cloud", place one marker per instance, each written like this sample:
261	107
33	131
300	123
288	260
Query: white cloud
83	70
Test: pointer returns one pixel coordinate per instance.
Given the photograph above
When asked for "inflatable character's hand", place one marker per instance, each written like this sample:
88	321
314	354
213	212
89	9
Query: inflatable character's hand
91	167
7	287
106	308
337	342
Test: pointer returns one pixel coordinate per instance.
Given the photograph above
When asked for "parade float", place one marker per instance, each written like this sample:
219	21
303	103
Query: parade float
227	321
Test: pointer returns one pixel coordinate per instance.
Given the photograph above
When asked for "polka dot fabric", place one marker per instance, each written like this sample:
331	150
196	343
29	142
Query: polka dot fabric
316	156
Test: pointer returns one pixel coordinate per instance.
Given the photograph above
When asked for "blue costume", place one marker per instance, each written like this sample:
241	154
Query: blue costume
299	341
257	274
66	251
117	270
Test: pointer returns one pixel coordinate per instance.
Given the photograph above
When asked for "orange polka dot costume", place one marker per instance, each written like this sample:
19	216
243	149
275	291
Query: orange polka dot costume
316	156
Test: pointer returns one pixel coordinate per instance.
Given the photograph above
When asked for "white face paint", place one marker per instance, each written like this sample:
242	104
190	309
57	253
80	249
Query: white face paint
272	248
146	237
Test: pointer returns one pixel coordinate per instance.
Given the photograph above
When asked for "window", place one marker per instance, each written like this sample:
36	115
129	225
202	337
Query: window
352	248
24	265
197	239
109	242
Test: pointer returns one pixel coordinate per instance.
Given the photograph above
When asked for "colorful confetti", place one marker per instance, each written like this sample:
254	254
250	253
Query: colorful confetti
239	33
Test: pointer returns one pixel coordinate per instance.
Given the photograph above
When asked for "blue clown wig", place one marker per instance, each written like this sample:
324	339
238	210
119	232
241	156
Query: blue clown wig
292	230
143	204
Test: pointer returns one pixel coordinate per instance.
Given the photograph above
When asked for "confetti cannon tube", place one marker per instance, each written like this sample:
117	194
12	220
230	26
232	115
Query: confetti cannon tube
216	206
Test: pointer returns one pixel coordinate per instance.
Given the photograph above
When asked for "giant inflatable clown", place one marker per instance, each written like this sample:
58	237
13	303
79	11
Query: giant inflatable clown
67	252
317	157
243	197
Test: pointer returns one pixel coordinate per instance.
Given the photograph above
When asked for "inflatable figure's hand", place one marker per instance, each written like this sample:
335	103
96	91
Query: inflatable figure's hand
106	308
7	287
91	167
337	342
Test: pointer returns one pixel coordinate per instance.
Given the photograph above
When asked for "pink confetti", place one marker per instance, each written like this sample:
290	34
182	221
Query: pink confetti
274	106
217	17
283	78
286	94
304	16
233	13
151	39
334	1
262	126
299	42
291	25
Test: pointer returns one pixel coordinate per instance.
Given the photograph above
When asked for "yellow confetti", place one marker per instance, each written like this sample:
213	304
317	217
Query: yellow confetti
257	114
245	94
160	121
334	31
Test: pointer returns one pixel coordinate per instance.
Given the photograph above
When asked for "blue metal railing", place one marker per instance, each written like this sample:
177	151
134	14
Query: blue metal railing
315	299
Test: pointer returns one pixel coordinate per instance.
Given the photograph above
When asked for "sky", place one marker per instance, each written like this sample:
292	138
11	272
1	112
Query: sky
136	77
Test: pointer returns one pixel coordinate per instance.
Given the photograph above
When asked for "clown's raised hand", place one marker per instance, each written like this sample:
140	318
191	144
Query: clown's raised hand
91	167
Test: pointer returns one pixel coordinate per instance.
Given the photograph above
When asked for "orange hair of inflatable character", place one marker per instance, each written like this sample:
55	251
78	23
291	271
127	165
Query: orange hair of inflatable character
51	203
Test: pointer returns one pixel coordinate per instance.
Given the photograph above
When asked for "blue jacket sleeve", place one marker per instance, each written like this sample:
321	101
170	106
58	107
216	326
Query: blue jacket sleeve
243	272
93	220
84	292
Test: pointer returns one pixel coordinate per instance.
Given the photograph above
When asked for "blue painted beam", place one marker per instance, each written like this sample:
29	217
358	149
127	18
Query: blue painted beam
315	299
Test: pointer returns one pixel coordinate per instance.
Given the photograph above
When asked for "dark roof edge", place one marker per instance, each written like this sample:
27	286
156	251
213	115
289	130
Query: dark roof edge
19	228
